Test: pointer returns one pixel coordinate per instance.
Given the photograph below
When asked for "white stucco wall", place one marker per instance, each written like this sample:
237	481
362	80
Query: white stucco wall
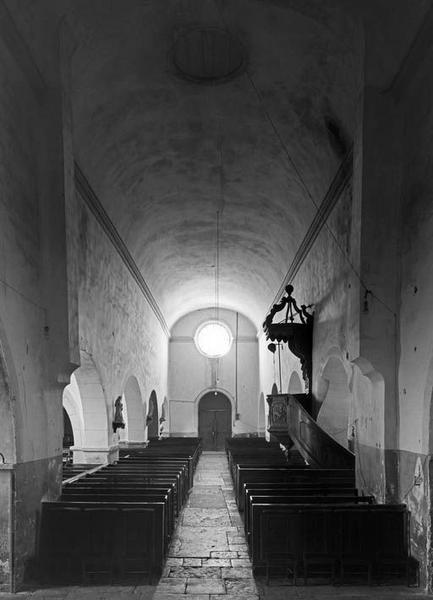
191	374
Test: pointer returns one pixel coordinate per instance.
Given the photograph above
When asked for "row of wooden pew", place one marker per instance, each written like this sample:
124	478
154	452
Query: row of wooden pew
116	522
312	523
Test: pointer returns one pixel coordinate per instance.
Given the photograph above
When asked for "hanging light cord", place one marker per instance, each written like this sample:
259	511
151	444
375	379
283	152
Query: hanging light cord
217	266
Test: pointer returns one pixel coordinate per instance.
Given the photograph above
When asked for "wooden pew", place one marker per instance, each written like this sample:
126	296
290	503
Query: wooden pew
140	482
118	520
76	494
297	496
146	474
284	474
79	539
337	533
151	459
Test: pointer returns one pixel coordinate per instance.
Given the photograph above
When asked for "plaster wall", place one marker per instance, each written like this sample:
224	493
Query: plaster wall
326	280
117	327
416	316
33	309
191	374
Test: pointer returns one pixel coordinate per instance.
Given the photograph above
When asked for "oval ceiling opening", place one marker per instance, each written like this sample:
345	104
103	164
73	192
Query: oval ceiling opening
208	55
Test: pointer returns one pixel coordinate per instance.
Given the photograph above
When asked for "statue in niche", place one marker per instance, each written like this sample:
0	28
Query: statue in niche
118	422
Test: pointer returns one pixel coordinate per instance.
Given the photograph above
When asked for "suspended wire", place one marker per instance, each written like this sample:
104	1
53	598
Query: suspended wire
217	266
300	177
217	290
26	298
310	196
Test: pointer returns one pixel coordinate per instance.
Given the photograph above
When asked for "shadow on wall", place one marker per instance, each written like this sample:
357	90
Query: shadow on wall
261	418
7	420
295	384
152	419
335	409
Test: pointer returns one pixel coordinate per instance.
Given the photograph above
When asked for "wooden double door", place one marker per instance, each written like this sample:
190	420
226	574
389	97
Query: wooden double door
214	420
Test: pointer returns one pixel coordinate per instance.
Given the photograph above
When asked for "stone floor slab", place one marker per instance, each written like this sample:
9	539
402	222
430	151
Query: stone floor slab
225	554
205	517
205	586
192	562
172	585
205	572
217	562
237	573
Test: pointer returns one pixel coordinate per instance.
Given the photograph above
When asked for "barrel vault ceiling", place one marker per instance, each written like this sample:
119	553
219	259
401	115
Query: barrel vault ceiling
183	109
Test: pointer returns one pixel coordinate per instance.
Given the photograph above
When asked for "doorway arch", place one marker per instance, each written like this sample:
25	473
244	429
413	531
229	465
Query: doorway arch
214	420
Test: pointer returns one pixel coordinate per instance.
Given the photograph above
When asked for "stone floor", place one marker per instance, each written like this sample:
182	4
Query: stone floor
208	558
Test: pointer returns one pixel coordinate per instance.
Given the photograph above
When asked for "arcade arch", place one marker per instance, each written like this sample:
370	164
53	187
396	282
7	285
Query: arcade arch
93	402
133	411
74	408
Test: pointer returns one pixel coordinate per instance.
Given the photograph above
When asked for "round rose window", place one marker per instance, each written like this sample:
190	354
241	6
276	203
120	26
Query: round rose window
213	339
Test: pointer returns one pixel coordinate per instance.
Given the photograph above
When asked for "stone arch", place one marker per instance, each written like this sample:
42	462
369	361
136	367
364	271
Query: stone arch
96	439
335	409
68	432
73	406
133	411
152	419
295	384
